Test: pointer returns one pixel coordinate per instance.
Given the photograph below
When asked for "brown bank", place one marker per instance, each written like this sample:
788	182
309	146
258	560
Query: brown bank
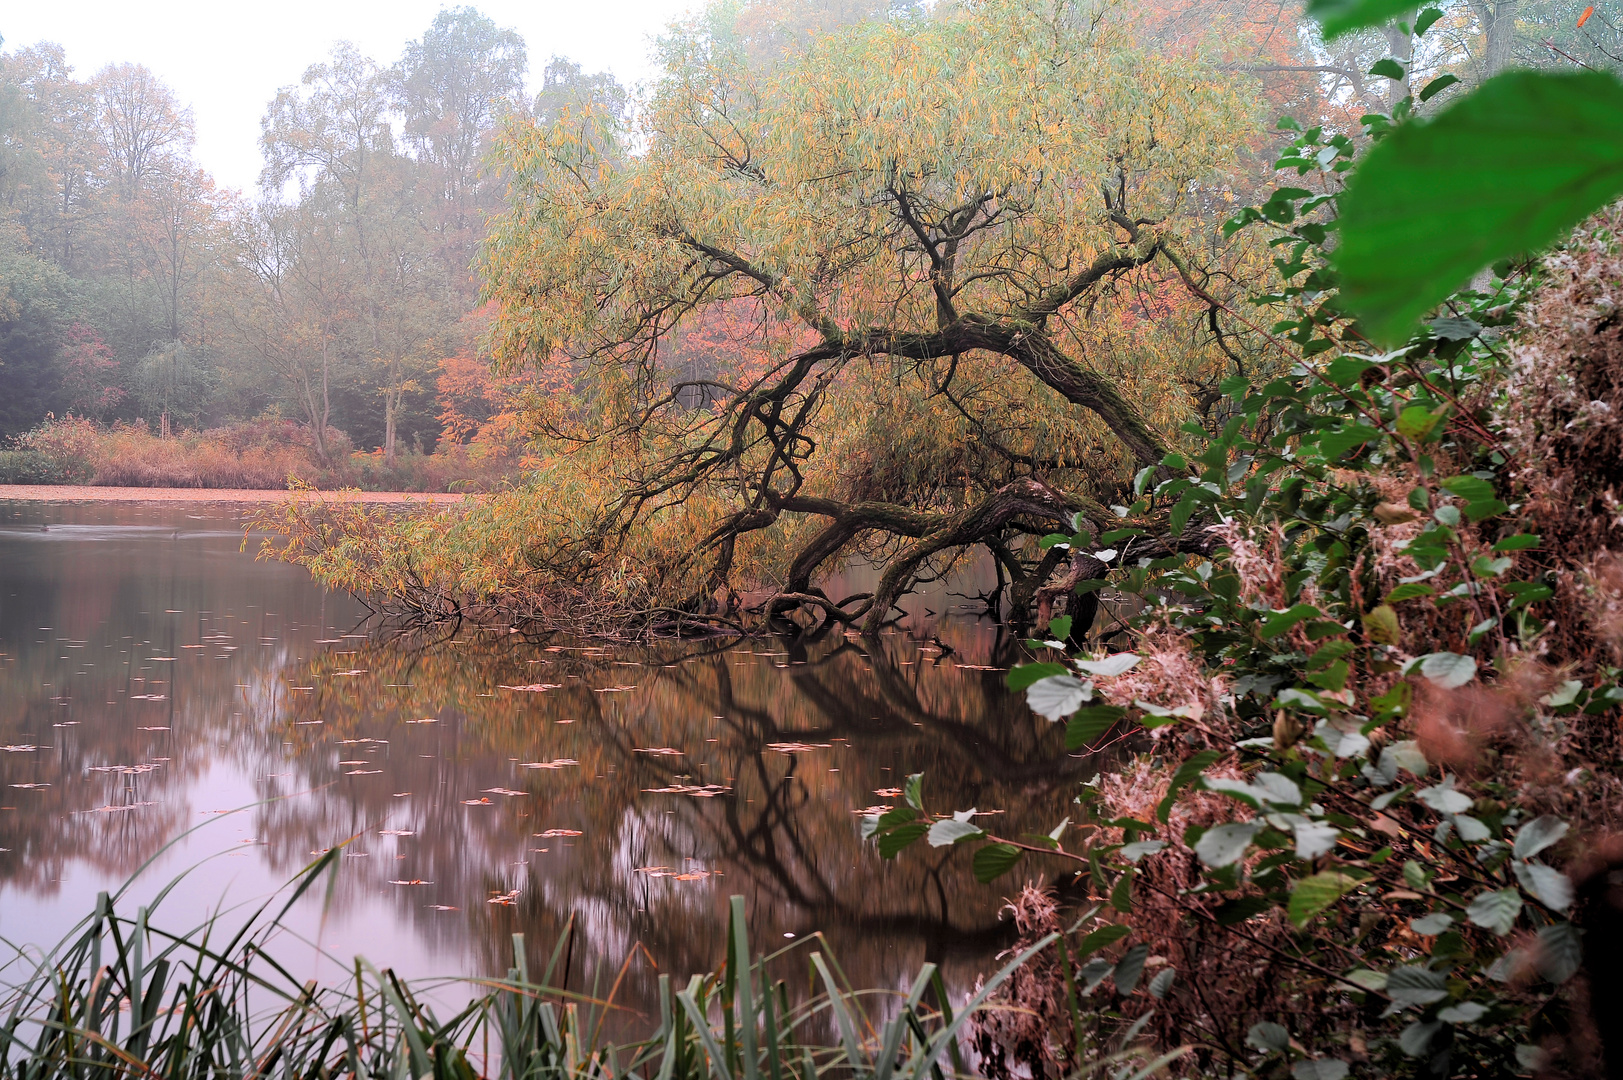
86	493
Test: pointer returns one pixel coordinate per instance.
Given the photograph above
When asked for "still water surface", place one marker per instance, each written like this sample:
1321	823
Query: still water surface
155	678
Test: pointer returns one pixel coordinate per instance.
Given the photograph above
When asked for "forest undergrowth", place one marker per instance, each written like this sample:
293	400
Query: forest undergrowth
265	454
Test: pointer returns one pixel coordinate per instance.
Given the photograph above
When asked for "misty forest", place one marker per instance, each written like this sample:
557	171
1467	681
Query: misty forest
1177	446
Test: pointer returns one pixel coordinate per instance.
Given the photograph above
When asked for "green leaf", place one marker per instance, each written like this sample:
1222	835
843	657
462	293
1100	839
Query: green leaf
892	843
1105	935
1344	371
1023	676
1222	845
1277	622
1448	670
1496	910
1314	894
949	831
1129	968
1503	170
1485	508
1416	984
1059	627
1381	625
1469	488
1339	16
1269	1037
1519	542
1537	835
913	791
1239	911
1403	592
994	860
1089	723
1426	20
1437	86
1417	422
1436	922
900	815
1560	952
1389	68
1121	896
1333	444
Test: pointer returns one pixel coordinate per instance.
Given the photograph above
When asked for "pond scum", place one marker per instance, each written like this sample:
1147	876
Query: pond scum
123	997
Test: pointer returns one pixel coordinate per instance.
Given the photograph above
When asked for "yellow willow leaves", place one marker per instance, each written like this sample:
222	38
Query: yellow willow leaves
1036	105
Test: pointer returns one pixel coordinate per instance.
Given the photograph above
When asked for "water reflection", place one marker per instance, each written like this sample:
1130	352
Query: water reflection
153	676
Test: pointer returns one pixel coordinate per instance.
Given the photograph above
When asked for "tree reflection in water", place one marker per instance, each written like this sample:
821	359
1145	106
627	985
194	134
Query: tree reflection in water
632	790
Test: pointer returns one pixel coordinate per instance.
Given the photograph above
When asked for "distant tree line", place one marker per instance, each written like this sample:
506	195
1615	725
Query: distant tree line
132	287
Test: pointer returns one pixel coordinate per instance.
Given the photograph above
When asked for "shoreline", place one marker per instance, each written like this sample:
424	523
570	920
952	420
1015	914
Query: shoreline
92	493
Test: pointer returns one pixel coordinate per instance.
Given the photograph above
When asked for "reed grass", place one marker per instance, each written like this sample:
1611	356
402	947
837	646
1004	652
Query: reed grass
123	997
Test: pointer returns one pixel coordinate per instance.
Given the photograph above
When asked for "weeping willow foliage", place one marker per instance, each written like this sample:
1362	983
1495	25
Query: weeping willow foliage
927	283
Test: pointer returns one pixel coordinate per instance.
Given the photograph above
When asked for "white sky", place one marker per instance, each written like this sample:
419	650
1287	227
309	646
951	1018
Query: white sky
227	60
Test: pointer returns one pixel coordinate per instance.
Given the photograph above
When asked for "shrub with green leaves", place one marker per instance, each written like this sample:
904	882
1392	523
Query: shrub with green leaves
1373	721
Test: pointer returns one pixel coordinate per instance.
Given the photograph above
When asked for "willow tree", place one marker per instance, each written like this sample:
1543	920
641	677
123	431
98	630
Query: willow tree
955	272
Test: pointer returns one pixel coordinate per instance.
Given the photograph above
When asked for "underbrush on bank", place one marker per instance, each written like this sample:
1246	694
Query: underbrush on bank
265	454
1372	829
124	997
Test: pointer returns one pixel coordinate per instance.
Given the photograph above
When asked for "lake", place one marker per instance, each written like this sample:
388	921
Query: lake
170	705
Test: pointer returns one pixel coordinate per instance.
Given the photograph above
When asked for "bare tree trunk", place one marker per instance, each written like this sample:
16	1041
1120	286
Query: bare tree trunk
389	410
1400	43
1498	18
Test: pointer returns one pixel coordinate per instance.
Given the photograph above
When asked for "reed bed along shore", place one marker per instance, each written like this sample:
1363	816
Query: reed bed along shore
123	996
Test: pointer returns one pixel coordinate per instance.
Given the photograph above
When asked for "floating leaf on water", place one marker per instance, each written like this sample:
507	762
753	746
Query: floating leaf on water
507	899
550	833
503	791
23	749
362	772
706	791
613	689
867	811
414	881
441	907
26	786
477	802
532	688
151	729
561	763
396	832
116	809
796	747
657	751
425	720
888	792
